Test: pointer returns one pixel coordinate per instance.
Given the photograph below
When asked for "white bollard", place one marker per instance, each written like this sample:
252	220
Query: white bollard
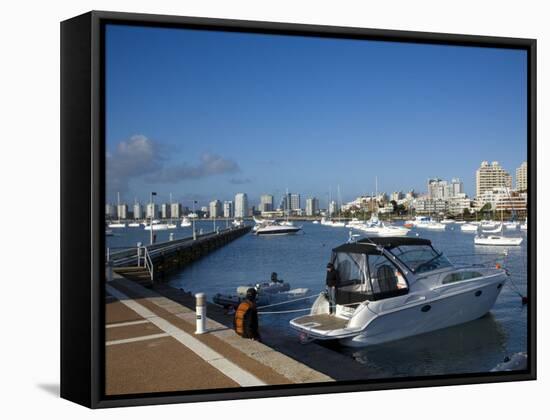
201	313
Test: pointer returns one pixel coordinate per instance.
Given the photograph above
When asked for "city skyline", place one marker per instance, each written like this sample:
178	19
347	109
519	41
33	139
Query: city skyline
312	114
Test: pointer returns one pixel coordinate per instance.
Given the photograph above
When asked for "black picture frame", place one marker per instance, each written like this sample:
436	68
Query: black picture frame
83	192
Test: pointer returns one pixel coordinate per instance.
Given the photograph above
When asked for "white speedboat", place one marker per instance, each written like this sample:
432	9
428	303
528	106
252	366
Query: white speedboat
460	222
469	227
271	228
185	222
384	230
116	225
498	228
172	226
392	288
332	223
419	222
355	223
157	226
315	222
497	240
489	224
435	226
133	224
511	225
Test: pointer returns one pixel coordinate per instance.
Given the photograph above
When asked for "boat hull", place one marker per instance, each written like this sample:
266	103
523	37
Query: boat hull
273	232
449	311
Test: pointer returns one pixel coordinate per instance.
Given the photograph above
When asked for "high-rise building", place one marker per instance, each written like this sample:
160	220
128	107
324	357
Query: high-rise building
151	210
437	189
332	208
521	177
228	209
312	206
122	211
455	188
396	196
295	202
110	211
241	205
215	209
266	202
175	210
138	210
165	210
490	176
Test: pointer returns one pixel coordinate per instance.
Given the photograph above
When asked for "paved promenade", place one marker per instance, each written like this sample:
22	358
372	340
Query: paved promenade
151	347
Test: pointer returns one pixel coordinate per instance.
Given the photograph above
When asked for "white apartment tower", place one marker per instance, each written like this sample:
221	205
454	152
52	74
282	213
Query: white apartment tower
215	209
521	177
490	176
241	205
312	206
228	209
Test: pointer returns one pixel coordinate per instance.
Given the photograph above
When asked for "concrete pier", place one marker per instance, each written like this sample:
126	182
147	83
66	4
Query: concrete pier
149	264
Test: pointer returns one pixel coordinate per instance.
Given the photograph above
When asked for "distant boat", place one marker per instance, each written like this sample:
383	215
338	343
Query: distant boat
315	222
108	232
384	230
185	222
511	225
274	228
117	225
238	222
447	221
497	240
157	226
133	224
172	226
469	227
497	229
436	226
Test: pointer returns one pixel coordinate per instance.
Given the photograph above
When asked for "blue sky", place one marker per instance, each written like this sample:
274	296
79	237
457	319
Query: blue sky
206	114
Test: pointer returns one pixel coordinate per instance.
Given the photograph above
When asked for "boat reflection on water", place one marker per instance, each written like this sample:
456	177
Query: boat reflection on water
457	349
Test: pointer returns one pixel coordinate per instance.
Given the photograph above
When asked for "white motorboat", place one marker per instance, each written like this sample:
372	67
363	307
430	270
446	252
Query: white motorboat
384	230
116	225
185	222
460	222
497	240
498	228
489	224
511	225
157	226
469	227
172	226
355	223
332	223
272	228
447	221
315	222
133	224
392	288
419	222
435	226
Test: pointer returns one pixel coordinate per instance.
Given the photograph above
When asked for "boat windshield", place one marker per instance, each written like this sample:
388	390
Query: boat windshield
421	258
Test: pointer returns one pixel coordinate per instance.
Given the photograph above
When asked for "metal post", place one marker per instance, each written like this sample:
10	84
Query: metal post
194	217
151	221
201	313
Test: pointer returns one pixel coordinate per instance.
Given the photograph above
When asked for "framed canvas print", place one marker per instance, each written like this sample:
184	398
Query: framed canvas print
254	209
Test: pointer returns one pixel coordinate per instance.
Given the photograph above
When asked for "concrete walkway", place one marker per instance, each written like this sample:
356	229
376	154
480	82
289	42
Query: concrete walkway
151	347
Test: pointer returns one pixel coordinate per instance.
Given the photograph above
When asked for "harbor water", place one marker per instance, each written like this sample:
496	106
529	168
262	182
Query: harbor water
300	259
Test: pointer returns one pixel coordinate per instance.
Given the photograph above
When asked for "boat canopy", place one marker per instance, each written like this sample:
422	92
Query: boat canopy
371	245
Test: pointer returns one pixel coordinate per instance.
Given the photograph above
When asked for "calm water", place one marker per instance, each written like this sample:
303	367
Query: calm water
301	260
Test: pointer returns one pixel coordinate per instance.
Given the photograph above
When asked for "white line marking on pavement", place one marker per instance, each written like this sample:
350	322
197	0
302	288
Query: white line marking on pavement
125	324
215	359
134	339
